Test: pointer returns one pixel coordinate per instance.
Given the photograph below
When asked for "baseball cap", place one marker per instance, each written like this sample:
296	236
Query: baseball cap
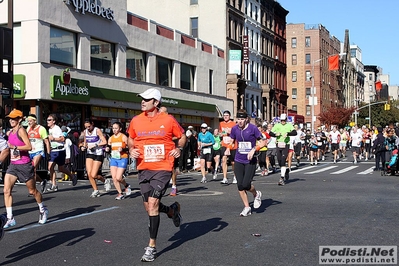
151	94
203	125
189	133
283	117
394	152
15	113
190	127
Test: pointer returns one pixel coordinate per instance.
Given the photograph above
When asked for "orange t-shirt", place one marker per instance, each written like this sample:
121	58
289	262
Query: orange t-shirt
153	137
116	143
225	129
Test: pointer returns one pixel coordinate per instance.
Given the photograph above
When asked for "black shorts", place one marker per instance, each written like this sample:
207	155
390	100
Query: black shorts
94	157
216	153
231	156
334	146
23	172
207	157
154	182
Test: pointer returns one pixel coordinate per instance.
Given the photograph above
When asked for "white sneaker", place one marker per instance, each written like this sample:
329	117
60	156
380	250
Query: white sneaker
224	181
234	180
215	175
322	158
107	184
246	211
43	216
203	180
95	194
315	162
258	199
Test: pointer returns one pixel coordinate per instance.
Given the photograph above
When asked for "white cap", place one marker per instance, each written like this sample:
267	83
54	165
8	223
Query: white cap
204	125
190	127
283	117
151	94
188	133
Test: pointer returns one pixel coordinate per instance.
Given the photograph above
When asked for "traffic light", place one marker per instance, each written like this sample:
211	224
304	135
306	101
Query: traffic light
387	107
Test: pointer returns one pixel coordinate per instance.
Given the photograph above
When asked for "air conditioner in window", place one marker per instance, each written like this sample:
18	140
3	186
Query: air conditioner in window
293	96
307	96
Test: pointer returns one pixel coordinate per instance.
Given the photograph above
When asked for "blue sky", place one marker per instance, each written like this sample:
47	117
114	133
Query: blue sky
372	25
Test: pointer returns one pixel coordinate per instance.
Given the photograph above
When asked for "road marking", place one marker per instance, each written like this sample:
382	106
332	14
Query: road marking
197	194
320	170
344	170
368	171
61	220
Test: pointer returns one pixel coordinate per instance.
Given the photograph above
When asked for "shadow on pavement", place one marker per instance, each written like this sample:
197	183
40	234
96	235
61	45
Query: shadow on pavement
190	231
49	242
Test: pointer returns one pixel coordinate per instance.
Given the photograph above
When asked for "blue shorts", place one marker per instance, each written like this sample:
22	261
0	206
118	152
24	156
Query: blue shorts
58	157
120	163
33	155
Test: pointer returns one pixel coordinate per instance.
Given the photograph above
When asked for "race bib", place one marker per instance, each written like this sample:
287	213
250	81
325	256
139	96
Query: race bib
154	153
319	143
367	141
15	155
226	140
206	150
244	147
281	145
318	138
115	154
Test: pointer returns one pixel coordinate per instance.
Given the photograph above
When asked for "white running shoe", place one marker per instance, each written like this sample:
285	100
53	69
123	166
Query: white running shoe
203	180
258	199
10	222
95	194
246	211
234	180
215	175
107	184
224	181
128	190
43	216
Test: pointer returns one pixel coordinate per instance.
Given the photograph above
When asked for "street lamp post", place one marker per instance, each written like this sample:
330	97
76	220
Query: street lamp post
313	89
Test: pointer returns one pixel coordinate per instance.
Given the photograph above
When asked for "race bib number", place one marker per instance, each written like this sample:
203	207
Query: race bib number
226	140
15	155
154	153
206	150
115	154
319	143
244	147
367	141
281	145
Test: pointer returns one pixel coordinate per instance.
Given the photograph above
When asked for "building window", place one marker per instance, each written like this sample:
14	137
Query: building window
294	59
135	65
102	57
210	81
307	59
294	93
193	2
194	27
307	109
307	41
293	42
164	72
294	76
307	92
62	47
294	108
308	75
186	77
370	76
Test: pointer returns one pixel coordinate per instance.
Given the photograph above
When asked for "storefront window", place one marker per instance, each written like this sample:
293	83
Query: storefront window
186	77
135	65
164	72
62	47
102	57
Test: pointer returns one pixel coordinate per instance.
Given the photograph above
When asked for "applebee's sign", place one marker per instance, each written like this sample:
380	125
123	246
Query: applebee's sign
91	6
73	89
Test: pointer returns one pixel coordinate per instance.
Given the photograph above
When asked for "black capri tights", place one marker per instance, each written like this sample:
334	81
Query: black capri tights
282	154
244	174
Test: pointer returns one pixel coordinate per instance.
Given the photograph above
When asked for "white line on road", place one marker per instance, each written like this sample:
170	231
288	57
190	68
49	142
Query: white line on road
62	220
365	172
320	170
344	170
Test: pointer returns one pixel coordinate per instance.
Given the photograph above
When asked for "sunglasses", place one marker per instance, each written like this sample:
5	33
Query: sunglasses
146	100
49	119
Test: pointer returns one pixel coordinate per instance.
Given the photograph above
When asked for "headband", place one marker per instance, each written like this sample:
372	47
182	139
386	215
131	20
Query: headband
31	117
241	115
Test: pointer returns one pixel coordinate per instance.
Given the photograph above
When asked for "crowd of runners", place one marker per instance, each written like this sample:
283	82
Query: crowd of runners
163	150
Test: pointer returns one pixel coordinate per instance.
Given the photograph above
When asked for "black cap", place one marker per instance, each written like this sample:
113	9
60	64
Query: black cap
379	129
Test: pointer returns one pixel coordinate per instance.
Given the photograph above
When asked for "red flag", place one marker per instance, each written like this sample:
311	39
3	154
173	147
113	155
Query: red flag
378	86
333	62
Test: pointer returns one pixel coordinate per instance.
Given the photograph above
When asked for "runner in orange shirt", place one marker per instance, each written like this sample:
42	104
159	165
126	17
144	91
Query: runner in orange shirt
228	151
150	143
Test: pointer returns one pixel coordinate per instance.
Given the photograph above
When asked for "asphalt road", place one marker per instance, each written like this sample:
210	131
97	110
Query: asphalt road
327	204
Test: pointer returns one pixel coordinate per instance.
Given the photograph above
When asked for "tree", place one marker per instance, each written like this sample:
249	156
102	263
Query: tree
339	116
